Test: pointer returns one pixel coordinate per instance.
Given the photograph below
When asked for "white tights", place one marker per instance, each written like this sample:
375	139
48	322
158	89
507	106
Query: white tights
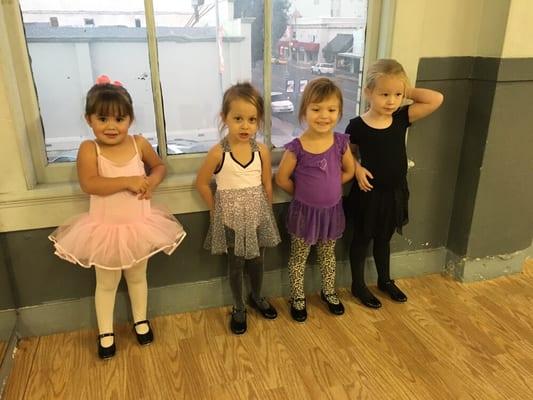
104	298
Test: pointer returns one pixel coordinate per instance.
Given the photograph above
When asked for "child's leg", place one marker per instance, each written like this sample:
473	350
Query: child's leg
254	267
358	250
298	257
236	269
138	292
104	300
326	259
381	253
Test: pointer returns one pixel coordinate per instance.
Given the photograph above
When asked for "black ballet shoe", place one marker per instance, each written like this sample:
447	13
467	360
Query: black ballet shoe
268	312
393	291
237	327
366	297
298	315
337	309
106	353
144	338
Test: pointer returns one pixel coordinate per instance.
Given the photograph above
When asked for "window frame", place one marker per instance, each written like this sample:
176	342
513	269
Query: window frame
57	183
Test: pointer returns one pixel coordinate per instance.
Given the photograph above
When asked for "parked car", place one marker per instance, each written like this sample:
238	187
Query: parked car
281	103
171	149
276	60
323	69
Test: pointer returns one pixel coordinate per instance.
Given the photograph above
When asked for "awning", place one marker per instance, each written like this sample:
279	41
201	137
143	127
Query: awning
339	44
307	46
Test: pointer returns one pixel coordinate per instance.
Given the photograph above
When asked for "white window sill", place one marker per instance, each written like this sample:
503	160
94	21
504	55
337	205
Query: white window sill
50	205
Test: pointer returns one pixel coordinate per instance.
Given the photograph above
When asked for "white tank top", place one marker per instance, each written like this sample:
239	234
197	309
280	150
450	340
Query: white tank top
233	175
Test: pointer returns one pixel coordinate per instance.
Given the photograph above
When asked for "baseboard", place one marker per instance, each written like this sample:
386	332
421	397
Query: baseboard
78	314
8	319
6	363
467	269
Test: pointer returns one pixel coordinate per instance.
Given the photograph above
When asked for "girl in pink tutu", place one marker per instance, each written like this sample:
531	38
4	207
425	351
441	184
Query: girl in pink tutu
121	230
313	169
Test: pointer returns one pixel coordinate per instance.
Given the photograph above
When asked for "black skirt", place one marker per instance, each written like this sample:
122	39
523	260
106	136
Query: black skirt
380	212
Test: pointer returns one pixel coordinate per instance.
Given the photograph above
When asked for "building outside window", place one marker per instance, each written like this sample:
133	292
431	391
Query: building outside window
202	49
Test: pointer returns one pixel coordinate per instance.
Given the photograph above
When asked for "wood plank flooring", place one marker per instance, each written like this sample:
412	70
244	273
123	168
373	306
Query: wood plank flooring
3	346
449	341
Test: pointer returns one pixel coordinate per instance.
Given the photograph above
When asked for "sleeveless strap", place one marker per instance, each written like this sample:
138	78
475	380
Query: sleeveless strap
97	148
135	145
253	143
226	147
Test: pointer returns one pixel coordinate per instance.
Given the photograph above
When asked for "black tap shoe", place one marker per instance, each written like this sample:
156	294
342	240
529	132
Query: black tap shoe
144	338
337	309
106	353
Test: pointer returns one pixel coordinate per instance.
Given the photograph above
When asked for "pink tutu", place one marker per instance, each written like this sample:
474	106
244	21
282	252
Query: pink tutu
88	242
119	230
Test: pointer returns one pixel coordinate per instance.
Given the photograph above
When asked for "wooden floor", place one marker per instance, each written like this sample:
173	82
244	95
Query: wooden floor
3	346
449	341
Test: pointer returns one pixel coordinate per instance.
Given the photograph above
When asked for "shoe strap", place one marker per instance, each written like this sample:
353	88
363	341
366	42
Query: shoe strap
103	335
296	299
300	300
142	322
332	298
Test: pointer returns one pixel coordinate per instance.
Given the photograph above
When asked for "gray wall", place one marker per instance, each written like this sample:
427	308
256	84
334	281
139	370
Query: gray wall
7	299
65	281
492	213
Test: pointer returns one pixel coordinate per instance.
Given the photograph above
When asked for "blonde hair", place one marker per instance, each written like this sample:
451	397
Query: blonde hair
243	91
316	91
385	66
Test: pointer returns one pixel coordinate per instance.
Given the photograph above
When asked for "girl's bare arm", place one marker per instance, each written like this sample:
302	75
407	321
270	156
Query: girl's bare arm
425	101
285	170
266	175
205	173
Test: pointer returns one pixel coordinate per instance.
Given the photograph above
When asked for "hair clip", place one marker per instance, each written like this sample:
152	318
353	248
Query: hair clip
105	80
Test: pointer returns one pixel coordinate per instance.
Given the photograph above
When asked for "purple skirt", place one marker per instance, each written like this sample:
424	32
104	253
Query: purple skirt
315	224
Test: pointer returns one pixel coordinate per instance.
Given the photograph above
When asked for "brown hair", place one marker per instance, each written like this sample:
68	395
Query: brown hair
316	91
243	91
108	99
385	66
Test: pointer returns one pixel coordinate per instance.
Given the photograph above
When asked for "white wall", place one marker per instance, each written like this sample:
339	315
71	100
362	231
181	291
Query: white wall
427	28
519	30
189	78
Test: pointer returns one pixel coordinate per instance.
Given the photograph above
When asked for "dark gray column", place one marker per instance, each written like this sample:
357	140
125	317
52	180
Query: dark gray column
491	224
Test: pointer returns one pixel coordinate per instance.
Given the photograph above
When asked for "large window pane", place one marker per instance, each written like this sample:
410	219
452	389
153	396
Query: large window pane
206	48
322	38
70	44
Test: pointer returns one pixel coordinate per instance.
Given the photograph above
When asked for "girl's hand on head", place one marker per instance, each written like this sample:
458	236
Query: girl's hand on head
362	175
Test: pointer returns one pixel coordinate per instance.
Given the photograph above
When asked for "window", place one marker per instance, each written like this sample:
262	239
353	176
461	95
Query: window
202	48
54	22
333	48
